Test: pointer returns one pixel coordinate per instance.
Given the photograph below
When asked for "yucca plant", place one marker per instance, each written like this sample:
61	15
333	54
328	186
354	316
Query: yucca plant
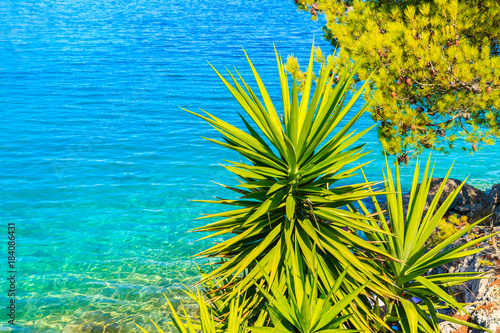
218	307
417	295
292	196
295	261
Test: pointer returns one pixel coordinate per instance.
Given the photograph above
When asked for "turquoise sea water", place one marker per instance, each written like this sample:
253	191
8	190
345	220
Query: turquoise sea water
97	161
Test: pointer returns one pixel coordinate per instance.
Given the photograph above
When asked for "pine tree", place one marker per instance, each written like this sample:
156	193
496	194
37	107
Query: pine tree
435	65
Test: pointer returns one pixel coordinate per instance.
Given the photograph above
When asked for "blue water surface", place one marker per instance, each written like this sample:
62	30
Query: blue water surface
98	162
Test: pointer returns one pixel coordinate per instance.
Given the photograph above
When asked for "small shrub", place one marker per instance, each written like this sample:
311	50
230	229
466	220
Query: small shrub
447	227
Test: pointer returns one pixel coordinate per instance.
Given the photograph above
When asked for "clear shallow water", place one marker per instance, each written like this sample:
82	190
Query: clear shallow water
98	162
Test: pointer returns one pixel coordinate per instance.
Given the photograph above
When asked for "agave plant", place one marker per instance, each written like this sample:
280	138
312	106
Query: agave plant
293	194
417	295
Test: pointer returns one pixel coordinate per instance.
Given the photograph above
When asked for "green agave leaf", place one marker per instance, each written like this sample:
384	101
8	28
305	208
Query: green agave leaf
275	130
179	325
338	307
337	330
290	207
265	171
439	292
431	255
269	329
409	319
248	105
252	156
257	136
267	100
311	114
302	114
406	240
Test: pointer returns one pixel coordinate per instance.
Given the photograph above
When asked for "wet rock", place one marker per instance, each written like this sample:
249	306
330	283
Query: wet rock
493	202
468	195
97	329
495	217
494	195
470	201
93	328
113	328
174	301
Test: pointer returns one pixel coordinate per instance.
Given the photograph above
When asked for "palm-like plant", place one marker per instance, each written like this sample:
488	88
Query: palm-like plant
418	296
292	195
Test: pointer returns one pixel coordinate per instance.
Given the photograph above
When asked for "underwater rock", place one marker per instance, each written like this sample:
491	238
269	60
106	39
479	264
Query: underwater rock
93	328
192	309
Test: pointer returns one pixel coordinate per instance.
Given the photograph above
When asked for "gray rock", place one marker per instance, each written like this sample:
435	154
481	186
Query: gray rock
479	262
484	294
494	195
484	312
468	195
448	327
487	312
493	202
470	201
495	216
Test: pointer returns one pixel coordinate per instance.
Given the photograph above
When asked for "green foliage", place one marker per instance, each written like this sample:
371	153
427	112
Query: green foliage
436	67
408	241
207	321
448	227
296	261
310	308
290	196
